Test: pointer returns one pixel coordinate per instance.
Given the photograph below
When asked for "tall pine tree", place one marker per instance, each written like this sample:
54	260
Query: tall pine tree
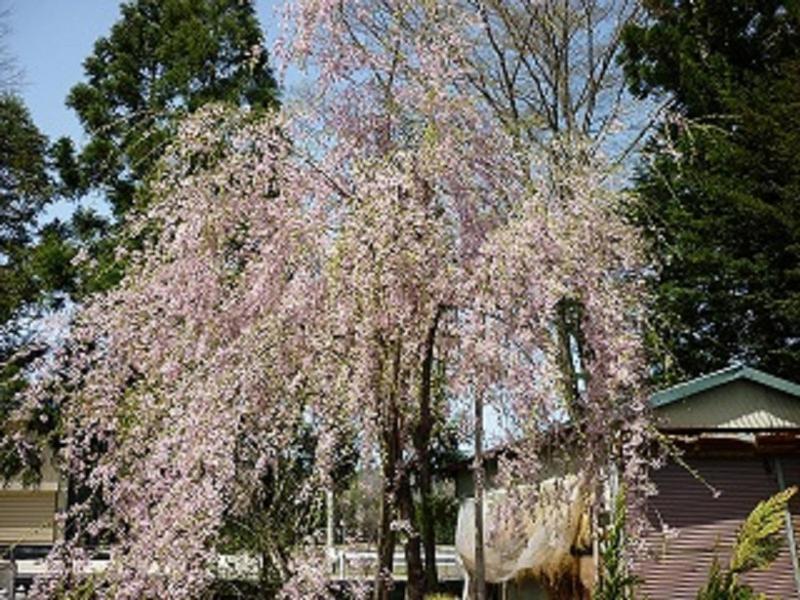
162	60
26	251
719	189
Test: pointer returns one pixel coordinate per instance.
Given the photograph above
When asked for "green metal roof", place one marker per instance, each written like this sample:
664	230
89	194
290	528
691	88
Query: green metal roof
718	378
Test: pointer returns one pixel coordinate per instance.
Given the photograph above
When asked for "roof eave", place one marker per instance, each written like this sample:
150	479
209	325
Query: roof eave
719	378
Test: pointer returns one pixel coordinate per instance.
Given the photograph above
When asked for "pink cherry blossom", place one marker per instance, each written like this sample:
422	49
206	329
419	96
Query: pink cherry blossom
300	267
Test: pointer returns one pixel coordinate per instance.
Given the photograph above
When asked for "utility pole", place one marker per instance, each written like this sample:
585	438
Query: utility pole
480	565
329	541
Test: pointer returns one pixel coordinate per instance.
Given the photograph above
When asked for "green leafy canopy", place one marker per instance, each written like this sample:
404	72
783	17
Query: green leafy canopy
717	191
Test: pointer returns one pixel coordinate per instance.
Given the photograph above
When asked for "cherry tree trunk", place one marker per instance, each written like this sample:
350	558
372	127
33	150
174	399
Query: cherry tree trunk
426	525
422	441
386	535
415	575
387	538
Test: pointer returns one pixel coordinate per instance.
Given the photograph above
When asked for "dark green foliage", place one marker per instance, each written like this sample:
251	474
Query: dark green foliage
161	60
34	265
718	196
24	191
36	272
702	51
24	184
66	164
444	508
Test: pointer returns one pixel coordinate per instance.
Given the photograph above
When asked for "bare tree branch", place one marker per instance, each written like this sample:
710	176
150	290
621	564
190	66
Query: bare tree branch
10	73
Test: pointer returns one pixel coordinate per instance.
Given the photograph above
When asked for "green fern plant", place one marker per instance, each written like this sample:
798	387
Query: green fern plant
757	545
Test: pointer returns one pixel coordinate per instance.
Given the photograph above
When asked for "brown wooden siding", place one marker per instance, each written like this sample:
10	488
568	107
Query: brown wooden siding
27	517
704	526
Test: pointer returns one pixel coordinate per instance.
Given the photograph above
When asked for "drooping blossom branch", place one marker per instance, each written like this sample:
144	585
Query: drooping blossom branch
311	267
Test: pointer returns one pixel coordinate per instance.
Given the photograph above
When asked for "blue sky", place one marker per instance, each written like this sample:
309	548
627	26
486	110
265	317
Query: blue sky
51	38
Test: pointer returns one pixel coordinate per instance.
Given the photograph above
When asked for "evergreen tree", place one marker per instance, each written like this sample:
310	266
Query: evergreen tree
26	269
24	191
161	60
31	256
719	191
